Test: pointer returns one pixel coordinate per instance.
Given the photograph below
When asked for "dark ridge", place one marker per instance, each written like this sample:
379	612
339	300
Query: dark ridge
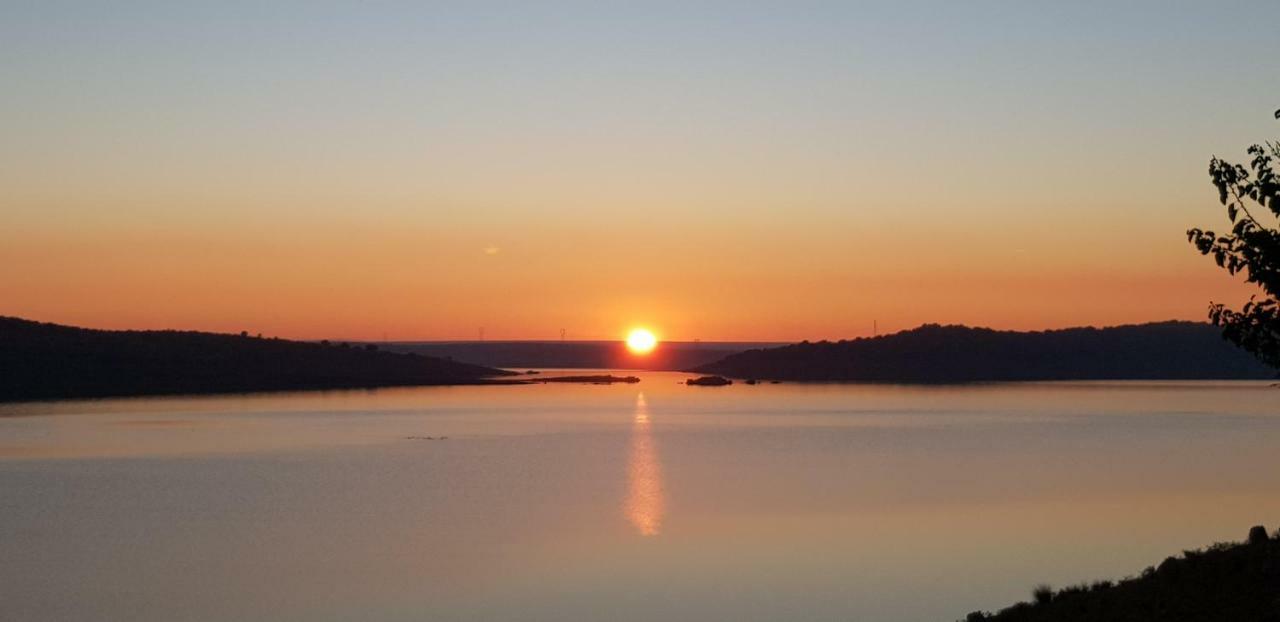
1227	582
49	361
668	356
940	354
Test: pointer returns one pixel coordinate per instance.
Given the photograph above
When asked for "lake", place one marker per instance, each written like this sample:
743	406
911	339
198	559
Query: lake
623	502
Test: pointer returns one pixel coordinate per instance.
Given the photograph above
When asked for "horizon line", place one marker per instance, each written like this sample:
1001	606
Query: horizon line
881	333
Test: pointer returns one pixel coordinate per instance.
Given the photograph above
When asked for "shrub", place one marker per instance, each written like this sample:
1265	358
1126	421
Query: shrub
1258	535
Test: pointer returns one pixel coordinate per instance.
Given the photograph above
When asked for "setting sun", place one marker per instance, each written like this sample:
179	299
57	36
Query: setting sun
641	341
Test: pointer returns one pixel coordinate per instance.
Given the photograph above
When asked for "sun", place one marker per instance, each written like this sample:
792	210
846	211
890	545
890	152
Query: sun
641	341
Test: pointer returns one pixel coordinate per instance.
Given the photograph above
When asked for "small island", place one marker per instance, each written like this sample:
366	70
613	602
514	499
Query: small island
708	381
600	379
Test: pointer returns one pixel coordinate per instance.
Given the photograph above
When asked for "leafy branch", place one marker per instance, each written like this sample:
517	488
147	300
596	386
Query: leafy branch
1252	248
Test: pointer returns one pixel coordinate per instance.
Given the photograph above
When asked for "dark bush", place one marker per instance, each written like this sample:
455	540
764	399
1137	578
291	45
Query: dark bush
1258	535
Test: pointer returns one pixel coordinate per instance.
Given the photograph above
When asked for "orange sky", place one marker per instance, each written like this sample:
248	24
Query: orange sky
733	175
360	280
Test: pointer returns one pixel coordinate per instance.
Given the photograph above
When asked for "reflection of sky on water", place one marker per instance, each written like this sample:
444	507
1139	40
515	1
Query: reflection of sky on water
815	502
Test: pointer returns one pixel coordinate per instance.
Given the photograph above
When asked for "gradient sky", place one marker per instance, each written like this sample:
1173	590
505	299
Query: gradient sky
713	170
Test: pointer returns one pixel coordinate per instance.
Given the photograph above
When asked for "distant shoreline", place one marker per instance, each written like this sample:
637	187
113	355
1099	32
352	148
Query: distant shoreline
49	362
257	392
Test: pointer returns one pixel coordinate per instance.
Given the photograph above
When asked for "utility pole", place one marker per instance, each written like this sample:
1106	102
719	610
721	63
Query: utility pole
481	333
875	328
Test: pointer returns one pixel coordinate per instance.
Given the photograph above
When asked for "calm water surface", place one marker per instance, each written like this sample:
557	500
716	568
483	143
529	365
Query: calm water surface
624	502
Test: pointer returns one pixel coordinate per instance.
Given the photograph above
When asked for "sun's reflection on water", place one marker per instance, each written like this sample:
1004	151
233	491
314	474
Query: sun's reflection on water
645	500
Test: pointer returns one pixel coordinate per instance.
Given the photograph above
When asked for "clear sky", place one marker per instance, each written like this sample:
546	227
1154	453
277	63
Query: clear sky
713	170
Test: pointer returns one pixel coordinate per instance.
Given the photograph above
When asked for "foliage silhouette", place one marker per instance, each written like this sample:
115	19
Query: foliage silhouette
1227	582
1252	248
48	361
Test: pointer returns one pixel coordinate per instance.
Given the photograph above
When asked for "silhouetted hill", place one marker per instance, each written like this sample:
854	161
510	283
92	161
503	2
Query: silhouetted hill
668	356
1227	583
933	353
49	361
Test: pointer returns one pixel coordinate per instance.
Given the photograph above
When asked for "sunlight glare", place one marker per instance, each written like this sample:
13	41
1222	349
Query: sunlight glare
641	341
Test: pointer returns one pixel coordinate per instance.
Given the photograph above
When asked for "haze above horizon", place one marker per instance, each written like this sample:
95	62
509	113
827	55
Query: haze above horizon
717	172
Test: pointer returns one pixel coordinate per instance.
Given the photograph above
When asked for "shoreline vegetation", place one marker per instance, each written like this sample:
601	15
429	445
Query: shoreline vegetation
958	354
1227	581
41	361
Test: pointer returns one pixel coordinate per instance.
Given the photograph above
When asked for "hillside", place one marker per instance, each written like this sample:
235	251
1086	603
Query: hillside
1226	582
933	353
668	356
49	361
